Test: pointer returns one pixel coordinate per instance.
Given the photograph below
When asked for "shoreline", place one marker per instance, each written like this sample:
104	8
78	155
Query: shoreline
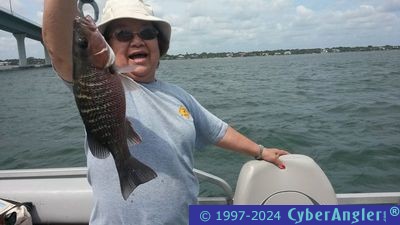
13	68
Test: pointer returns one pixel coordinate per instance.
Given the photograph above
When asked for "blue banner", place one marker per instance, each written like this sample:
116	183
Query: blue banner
295	214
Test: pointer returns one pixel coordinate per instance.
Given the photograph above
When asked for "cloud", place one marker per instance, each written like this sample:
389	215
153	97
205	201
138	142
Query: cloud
215	24
357	25
240	25
363	18
390	6
304	12
247	25
8	46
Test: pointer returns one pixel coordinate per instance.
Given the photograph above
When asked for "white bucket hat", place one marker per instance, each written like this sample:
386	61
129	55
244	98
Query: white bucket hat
135	9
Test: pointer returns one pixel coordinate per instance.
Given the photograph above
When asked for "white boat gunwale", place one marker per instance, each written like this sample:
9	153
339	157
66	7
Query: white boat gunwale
55	191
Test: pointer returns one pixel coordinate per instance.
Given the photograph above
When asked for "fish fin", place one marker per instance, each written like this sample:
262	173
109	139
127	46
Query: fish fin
126	69
97	150
133	174
111	56
133	137
131	85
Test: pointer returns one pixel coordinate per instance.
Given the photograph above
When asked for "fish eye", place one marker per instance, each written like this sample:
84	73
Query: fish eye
83	43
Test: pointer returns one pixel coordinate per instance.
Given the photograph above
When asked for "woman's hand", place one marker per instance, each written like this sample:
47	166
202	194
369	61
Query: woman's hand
272	155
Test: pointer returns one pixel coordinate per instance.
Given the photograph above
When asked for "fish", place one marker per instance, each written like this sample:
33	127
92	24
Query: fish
100	99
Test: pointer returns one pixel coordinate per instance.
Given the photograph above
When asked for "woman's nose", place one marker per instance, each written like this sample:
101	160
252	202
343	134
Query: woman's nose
136	41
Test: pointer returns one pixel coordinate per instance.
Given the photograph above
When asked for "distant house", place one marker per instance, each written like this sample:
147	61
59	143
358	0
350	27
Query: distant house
287	53
194	56
4	63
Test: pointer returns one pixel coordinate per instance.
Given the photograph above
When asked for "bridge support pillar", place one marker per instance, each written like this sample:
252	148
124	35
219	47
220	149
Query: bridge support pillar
47	60
21	48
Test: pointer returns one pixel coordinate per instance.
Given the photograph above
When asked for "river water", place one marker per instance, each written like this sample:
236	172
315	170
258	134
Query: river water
341	109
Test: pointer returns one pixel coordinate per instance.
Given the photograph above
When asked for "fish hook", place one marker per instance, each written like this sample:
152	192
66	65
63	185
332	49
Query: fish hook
93	4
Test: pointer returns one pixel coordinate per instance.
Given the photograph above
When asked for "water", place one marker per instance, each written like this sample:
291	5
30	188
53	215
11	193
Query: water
343	110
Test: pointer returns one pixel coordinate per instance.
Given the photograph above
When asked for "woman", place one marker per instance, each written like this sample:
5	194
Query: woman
170	121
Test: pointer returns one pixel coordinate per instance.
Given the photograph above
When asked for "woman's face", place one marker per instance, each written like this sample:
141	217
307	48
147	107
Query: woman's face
144	54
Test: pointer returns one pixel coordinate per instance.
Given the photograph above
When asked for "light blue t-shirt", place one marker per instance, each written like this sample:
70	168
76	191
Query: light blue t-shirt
172	124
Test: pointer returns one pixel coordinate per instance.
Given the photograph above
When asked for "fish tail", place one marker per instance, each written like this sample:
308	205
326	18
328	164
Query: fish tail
133	174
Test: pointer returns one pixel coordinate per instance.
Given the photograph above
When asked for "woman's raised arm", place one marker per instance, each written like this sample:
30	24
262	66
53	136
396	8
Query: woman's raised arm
57	28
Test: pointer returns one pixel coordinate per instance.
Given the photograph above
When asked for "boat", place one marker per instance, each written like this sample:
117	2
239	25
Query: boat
63	195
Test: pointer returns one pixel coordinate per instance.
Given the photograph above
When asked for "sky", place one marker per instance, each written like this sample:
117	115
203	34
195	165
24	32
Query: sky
250	25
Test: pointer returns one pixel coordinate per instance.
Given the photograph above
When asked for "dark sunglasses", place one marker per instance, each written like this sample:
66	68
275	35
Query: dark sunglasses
148	33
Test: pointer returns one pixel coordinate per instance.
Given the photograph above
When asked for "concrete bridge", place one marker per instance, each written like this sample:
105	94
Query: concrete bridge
21	28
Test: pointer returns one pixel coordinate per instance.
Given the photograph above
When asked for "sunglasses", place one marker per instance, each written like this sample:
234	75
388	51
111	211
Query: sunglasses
148	33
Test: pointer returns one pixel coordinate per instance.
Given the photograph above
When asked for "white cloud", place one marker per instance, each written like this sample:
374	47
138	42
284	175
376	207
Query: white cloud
302	11
390	6
8	46
246	25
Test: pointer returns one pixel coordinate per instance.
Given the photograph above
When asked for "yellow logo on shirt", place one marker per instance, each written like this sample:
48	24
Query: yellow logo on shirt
184	112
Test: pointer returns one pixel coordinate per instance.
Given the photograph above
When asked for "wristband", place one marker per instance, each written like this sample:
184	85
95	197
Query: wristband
259	156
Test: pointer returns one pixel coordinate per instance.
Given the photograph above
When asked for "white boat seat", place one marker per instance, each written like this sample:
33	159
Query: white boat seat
302	183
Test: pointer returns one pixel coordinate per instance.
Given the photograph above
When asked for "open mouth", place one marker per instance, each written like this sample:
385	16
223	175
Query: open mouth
138	56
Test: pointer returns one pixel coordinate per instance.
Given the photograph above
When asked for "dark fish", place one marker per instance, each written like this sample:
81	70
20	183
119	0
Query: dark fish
100	98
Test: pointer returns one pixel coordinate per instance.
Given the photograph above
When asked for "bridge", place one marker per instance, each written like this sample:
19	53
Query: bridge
21	28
